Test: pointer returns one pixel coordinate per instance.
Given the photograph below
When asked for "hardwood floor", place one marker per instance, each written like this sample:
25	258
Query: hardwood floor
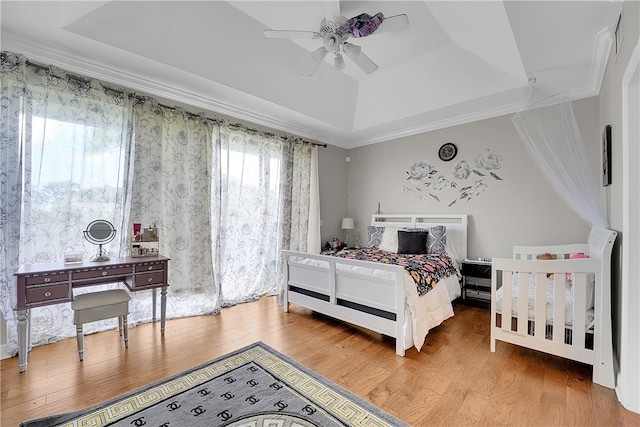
455	380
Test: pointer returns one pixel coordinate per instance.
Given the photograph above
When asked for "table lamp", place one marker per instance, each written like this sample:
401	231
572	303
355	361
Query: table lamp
347	224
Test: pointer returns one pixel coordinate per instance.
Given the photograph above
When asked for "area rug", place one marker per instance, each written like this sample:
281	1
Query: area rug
254	386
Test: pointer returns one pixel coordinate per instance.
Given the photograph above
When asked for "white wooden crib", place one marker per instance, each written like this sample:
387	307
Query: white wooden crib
554	308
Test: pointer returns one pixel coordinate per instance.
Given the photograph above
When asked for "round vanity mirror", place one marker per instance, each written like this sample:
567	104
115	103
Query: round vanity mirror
100	232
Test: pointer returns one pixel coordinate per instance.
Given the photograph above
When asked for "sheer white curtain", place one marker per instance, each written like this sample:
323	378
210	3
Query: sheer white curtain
262	201
172	190
552	136
226	200
63	163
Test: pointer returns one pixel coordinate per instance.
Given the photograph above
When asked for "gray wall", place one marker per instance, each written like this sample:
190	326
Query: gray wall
522	208
332	180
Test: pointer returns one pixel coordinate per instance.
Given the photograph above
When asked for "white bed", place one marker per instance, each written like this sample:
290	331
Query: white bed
376	296
567	302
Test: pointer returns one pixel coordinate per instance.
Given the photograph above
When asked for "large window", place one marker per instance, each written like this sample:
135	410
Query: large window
72	173
250	216
226	200
63	149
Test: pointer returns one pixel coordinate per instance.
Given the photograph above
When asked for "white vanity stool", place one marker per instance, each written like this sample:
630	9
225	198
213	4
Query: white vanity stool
101	305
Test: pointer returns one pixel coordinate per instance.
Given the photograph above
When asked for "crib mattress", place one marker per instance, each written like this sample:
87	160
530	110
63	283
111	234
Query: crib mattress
531	301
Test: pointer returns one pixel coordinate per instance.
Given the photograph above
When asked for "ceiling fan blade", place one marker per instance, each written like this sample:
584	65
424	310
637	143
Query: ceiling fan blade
290	34
361	60
331	10
394	23
316	58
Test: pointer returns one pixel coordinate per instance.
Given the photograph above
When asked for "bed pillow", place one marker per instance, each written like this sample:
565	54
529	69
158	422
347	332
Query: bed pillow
389	241
375	235
437	240
412	242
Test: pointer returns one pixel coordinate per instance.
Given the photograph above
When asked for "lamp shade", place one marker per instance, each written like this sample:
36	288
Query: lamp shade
347	224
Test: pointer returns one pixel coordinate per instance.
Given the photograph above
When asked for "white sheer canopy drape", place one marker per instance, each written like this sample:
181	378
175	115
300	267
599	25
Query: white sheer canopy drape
552	137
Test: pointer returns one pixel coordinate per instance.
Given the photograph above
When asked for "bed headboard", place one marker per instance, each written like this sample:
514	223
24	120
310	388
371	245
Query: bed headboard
456	225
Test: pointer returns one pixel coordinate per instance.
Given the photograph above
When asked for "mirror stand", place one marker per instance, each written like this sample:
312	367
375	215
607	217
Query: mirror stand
101	256
100	232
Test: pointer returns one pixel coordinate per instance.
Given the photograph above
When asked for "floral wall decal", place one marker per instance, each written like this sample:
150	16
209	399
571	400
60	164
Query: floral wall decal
428	183
421	170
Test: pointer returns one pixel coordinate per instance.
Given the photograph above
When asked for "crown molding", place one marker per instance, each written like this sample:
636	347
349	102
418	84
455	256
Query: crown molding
601	51
256	111
158	87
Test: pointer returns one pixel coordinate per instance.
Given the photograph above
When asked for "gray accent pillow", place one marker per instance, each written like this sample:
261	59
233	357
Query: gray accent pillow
437	240
374	235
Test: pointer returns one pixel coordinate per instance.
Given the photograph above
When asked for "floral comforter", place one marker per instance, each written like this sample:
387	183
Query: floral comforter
425	269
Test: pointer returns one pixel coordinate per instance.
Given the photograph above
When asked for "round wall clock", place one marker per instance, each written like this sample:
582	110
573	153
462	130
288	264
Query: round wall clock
447	152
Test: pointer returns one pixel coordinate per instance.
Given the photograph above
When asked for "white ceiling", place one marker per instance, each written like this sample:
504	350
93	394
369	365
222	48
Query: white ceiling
458	61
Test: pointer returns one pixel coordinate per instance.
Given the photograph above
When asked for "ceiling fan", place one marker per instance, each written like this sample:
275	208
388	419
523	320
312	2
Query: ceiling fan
335	31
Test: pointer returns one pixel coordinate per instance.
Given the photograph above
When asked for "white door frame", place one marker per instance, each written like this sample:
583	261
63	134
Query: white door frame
628	381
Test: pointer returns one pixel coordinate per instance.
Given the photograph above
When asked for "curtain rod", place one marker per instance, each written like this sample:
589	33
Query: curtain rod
194	115
283	137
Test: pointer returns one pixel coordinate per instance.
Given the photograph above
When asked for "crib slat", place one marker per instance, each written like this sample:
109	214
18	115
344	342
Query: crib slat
541	305
579	290
523	303
558	308
507	284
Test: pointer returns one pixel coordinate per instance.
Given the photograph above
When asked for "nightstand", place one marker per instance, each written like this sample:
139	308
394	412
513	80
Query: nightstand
476	280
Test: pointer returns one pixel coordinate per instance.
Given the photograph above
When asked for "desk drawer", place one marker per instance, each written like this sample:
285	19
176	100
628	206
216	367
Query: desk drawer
39	294
149	266
100	273
46	279
148	279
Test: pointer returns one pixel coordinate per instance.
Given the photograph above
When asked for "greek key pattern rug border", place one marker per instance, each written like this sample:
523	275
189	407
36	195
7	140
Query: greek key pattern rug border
345	407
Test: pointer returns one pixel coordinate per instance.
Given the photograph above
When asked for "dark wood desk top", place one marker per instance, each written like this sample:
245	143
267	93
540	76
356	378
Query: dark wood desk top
53	283
85	264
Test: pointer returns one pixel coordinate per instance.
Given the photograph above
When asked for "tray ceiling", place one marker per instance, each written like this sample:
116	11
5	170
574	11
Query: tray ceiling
458	61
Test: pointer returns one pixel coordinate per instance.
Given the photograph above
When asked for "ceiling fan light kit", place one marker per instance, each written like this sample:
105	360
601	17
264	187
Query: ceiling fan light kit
335	35
352	50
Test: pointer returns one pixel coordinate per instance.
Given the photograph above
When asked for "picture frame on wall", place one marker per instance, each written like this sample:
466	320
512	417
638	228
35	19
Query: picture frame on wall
606	156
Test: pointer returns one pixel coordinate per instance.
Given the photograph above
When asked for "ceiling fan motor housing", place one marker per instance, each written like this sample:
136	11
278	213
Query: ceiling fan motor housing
332	41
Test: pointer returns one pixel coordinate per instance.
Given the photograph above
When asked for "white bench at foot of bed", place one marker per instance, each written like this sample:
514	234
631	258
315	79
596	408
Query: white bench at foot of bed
537	314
